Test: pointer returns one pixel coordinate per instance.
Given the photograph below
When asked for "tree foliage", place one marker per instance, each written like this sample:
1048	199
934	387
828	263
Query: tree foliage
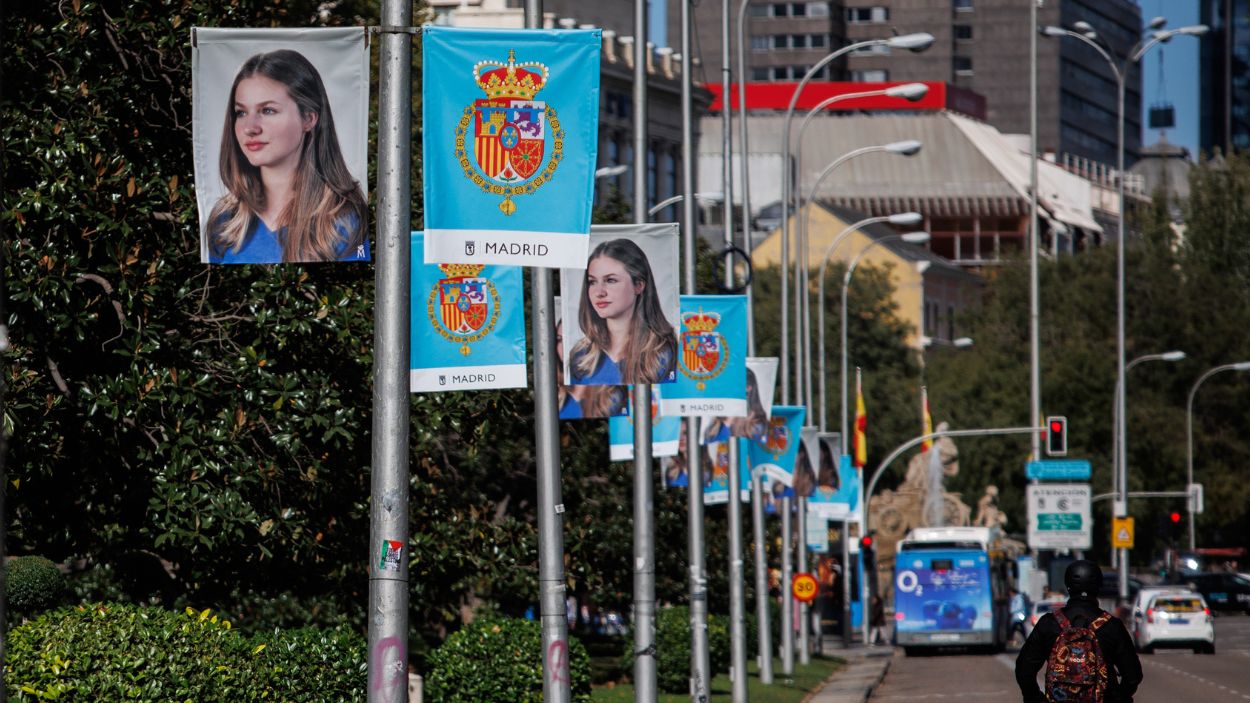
1186	290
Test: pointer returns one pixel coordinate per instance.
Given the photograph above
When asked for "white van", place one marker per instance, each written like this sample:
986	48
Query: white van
1172	617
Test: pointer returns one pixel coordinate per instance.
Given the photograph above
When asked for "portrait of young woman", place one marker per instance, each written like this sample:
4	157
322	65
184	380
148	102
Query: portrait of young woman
627	338
582	402
755	423
827	480
288	193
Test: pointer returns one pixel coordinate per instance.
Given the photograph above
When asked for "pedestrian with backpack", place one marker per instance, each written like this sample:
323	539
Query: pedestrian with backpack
1088	653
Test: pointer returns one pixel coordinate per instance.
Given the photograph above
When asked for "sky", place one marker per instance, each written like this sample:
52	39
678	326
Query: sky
1179	82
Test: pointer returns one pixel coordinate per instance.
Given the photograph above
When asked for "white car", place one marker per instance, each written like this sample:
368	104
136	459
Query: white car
1042	607
1172	617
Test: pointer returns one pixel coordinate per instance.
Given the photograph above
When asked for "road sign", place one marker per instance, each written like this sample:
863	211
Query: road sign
1059	516
1122	533
804	587
1195	497
1058	469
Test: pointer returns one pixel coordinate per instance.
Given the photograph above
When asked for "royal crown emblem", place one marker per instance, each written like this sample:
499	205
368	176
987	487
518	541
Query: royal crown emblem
704	351
463	307
509	144
777	439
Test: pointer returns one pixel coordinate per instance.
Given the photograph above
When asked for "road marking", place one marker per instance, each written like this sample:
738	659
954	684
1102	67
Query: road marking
1195	677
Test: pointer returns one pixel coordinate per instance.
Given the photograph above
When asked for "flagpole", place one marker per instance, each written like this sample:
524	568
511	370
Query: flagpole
644	489
388	510
863	578
699	666
551	586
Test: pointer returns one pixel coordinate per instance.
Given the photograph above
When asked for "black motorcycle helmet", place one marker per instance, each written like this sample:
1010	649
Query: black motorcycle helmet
1083	579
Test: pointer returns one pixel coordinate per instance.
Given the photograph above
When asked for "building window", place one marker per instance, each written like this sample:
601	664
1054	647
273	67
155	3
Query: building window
781	41
867	15
761	42
963	32
761	74
760	10
874	75
781	73
798	41
798	9
817	9
962	5
779	9
962	65
819	41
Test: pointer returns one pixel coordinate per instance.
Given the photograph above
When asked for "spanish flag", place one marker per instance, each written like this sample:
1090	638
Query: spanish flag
926	420
861	423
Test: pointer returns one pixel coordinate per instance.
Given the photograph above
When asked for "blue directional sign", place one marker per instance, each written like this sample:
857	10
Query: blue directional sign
1058	469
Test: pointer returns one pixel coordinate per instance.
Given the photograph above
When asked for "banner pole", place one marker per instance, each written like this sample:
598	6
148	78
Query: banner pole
388	521
737	588
551	587
700	683
644	491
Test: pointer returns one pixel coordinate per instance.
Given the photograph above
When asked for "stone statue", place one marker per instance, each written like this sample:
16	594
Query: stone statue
988	514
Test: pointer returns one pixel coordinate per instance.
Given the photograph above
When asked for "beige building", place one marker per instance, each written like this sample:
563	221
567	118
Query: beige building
930	291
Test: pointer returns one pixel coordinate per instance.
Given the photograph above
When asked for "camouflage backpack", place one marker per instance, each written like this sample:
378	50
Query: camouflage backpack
1075	670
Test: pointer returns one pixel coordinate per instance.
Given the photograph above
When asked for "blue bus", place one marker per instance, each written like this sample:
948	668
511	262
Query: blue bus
951	588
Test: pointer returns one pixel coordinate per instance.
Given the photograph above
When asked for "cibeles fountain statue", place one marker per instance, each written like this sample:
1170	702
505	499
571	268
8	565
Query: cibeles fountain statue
923	501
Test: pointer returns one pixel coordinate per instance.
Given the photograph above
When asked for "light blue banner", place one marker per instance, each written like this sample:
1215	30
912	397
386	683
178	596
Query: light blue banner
775	457
665	435
711	359
511	129
466	326
837	482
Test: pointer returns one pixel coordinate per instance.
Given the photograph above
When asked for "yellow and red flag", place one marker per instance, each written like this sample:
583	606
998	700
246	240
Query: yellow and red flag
926	419
861	423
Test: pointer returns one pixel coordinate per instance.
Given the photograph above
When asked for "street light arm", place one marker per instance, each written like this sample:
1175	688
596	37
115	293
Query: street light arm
1060	32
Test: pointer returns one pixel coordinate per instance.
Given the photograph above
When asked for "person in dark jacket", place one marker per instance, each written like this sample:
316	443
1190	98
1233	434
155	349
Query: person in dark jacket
1083	579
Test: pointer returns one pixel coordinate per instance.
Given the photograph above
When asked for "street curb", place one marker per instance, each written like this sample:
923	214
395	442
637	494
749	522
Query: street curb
853	683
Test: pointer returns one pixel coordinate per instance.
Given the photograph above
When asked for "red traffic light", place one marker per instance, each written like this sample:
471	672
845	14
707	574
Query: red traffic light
865	542
1056	426
1176	517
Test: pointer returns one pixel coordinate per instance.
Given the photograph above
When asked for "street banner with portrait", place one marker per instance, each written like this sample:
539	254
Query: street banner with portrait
666	434
711	365
817	532
466	326
510	134
585	402
805	464
837	482
716	472
620	308
281	106
777	454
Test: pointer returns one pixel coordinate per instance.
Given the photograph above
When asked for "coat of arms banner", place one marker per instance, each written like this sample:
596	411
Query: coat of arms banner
511	129
711	358
467	326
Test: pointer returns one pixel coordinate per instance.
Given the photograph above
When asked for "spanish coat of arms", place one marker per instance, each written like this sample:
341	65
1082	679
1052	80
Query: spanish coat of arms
705	351
464	306
509	144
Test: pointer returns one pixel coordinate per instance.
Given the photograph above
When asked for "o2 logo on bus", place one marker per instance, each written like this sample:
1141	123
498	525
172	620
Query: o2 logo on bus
909	582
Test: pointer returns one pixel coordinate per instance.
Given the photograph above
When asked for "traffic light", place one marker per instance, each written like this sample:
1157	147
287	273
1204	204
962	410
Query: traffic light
1056	436
1176	518
868	553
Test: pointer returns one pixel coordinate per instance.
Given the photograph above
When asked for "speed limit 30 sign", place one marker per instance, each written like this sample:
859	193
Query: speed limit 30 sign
804	588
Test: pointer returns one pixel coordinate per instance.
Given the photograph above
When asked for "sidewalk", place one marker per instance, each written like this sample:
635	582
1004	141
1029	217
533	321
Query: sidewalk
864	670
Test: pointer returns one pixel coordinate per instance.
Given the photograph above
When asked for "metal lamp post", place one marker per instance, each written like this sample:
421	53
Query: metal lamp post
1189	433
913	42
1121	507
902	219
1087	35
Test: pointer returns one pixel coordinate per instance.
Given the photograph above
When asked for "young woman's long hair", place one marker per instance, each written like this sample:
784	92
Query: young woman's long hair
755	423
325	194
651	353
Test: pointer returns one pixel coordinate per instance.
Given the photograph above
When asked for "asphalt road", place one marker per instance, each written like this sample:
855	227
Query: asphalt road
1171	676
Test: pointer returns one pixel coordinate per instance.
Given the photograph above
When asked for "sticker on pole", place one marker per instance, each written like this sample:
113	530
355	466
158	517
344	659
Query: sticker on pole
803	587
391	551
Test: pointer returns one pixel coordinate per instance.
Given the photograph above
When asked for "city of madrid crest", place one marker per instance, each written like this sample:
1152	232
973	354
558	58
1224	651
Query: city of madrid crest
464	306
704	351
777	439
509	144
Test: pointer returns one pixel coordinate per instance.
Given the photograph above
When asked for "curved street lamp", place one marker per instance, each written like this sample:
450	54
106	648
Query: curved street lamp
914	42
1121	454
908	237
1189	432
902	219
710	197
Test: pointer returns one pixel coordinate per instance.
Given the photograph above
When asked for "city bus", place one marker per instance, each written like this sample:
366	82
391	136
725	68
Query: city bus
951	588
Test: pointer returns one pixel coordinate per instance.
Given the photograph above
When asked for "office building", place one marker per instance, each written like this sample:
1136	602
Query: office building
1224	76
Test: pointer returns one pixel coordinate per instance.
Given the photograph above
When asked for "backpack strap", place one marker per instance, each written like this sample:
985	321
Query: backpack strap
1099	621
1062	619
